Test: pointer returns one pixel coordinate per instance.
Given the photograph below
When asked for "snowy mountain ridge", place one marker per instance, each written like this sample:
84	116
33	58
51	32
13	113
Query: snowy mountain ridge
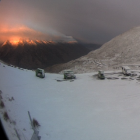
26	42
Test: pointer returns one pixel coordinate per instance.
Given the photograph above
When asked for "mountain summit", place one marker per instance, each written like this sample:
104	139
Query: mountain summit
16	43
20	42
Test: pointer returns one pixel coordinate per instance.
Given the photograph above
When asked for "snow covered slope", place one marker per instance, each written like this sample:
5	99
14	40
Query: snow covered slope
123	49
86	108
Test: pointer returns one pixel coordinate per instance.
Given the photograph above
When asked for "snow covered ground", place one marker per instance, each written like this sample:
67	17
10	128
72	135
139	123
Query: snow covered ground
84	109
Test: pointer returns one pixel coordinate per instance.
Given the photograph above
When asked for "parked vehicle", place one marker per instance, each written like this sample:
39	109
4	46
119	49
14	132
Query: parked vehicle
40	73
101	74
126	70
68	74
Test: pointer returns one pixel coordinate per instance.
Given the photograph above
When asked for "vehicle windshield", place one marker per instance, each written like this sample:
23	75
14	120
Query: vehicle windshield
128	71
101	72
69	72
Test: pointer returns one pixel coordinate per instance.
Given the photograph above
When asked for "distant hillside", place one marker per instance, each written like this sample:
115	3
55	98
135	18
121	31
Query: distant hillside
121	50
41	55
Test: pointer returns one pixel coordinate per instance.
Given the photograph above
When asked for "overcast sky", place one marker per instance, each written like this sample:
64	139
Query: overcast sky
87	20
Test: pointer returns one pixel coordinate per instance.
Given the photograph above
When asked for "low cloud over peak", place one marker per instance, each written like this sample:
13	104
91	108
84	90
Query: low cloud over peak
22	32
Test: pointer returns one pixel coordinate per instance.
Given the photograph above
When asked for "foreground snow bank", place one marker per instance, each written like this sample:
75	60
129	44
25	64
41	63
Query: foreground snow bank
86	108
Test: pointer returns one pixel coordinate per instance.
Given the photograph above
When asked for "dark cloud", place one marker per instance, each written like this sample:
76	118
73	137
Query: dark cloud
90	21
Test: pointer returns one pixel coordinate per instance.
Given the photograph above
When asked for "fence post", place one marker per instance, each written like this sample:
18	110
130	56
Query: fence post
31	121
17	134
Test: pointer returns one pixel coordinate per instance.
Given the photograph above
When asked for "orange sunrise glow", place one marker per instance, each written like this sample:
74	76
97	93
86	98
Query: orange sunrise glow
15	41
17	33
20	34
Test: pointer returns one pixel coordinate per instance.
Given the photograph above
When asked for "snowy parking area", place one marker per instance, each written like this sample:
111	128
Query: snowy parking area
86	108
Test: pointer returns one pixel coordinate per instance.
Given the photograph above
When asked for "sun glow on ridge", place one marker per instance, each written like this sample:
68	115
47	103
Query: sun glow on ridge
15	41
21	35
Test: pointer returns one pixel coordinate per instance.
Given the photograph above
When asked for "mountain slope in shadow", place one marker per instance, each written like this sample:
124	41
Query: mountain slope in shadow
41	55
